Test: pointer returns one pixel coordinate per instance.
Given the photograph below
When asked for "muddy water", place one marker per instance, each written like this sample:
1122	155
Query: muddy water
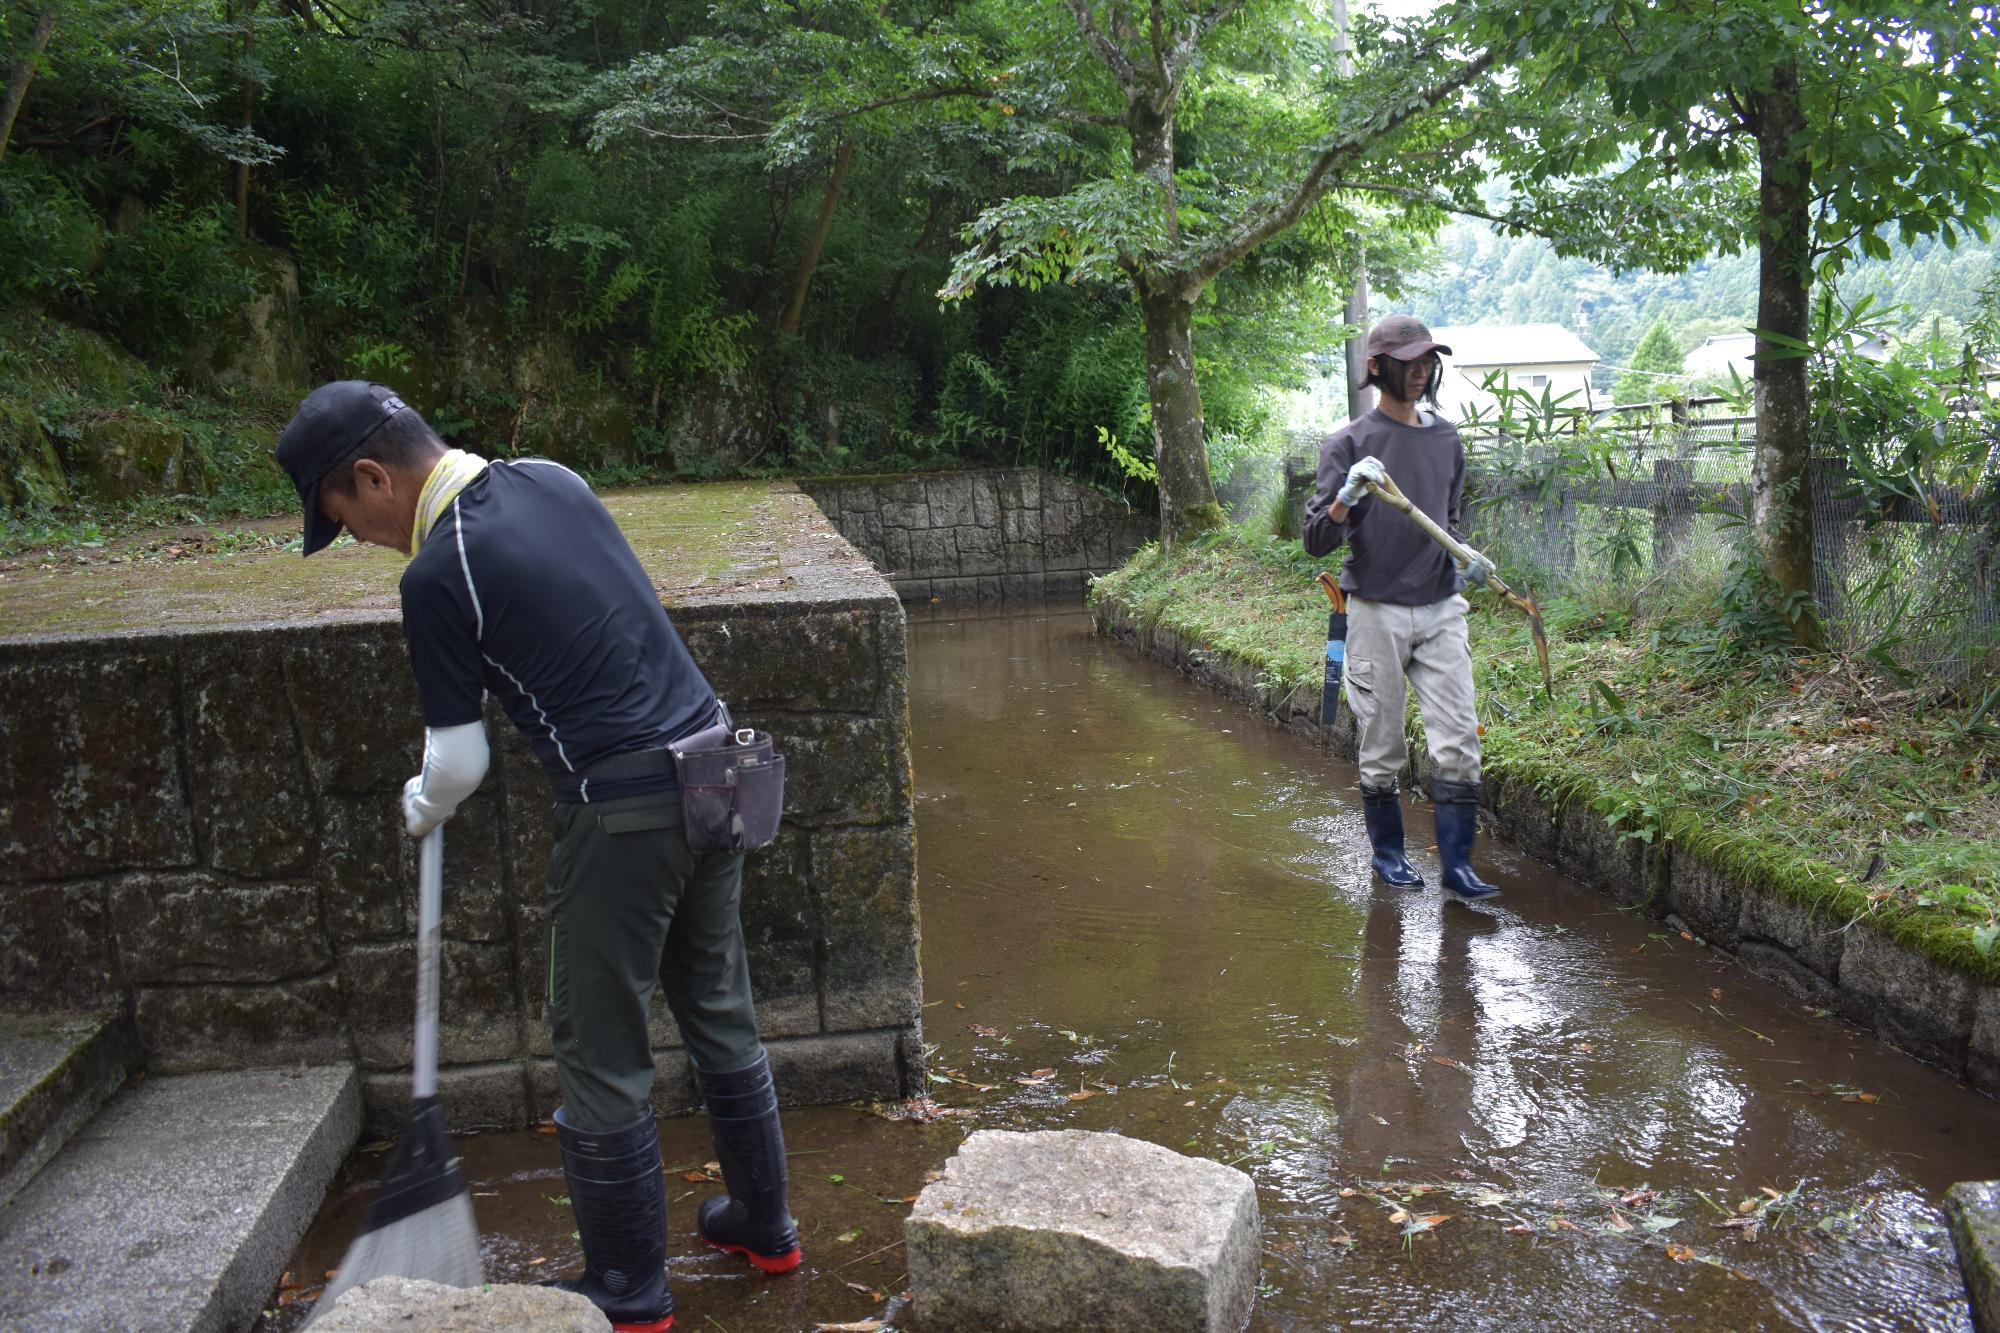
1145	912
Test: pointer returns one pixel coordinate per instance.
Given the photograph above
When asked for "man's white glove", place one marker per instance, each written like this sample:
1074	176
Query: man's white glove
455	759
420	816
1364	471
1476	570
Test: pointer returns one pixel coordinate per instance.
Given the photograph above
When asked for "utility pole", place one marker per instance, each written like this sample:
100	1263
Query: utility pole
1360	398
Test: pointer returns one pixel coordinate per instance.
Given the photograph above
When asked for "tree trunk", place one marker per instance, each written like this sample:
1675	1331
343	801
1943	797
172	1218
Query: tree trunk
1780	482
24	74
1187	496
249	123
795	311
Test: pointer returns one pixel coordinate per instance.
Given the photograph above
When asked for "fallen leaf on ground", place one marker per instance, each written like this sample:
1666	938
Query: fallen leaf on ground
1522	1230
1399	1216
1637	1197
1618	1222
1680	1254
1081	1096
1043	1073
858	1326
694	1177
1348	1192
984	1031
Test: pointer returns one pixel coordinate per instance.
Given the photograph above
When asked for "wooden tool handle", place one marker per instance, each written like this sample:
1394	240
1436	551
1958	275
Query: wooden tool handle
1391	494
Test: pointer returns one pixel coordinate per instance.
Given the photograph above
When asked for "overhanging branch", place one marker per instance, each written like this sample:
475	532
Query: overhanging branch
1253	231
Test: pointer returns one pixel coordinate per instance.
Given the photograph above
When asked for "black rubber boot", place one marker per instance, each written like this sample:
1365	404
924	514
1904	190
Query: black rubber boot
1384	814
753	1219
1457	806
620	1201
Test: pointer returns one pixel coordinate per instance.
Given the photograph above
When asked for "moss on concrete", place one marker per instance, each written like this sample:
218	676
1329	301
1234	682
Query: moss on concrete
695	541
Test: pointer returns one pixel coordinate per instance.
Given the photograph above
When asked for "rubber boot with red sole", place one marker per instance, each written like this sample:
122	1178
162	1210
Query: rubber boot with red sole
620	1201
753	1219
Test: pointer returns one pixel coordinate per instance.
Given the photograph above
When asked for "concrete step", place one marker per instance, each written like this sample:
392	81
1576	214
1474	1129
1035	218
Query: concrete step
55	1071
179	1205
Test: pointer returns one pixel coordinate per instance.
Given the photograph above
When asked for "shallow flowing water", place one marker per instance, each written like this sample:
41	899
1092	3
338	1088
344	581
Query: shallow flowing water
1145	911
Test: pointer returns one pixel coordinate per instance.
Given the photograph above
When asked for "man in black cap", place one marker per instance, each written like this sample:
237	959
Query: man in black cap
521	585
1405	611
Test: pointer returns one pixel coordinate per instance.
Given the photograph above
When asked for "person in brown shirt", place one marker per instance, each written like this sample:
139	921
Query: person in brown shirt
1405	608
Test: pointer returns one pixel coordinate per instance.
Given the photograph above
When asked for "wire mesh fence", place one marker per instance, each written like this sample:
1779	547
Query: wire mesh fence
1911	582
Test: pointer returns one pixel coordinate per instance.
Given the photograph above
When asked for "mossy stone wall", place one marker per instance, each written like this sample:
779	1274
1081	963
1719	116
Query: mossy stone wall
962	536
198	824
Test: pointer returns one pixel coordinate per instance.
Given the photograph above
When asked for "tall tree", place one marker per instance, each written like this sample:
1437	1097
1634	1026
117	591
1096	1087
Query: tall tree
1853	123
1236	124
1154	145
24	72
1654	372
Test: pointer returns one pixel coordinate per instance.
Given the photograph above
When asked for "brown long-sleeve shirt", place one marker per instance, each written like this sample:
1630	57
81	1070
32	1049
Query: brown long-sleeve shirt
1389	558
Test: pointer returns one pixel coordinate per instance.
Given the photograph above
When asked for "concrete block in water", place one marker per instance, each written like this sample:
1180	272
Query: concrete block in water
1070	1229
401	1302
1973	1208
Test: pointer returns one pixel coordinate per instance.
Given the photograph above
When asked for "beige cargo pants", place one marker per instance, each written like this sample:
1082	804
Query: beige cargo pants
1425	646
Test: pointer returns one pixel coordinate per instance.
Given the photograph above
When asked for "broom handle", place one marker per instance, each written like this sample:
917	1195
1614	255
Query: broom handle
430	931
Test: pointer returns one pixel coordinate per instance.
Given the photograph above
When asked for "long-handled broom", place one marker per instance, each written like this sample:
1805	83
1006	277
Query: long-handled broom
420	1225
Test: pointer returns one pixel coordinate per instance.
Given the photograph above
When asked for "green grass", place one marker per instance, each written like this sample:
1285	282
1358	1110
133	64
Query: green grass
1805	774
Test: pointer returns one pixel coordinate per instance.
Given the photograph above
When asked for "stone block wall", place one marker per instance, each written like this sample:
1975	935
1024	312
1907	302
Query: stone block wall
201	828
1017	532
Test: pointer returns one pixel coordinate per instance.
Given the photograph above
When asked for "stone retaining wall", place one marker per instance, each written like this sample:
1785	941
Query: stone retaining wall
200	826
956	536
1923	1007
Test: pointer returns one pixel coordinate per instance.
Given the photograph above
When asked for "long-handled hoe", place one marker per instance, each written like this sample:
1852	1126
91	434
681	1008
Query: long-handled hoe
1390	494
420	1225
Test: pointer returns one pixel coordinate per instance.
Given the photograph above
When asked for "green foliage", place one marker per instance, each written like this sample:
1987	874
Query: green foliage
1654	372
174	273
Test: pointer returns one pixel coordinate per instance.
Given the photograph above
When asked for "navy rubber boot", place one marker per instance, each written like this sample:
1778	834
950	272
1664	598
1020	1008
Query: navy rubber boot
1457	815
753	1219
620	1201
1384	814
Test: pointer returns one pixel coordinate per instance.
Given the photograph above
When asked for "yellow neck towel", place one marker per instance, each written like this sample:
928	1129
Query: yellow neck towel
453	473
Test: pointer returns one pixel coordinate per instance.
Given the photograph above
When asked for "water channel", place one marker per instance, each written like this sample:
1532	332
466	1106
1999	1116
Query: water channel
1145	911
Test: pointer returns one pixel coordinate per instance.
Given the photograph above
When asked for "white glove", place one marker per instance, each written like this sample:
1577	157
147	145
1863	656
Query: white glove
455	760
1366	470
1476	570
420	816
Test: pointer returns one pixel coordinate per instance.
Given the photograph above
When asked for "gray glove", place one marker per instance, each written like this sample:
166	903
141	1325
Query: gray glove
1474	571
1364	471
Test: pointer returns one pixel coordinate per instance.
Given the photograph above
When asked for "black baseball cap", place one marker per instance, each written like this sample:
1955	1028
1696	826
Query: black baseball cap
333	421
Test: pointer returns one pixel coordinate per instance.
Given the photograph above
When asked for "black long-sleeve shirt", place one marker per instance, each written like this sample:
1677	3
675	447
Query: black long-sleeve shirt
1390	558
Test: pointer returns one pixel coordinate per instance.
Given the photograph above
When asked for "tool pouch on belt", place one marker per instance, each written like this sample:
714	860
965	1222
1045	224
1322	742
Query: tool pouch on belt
732	787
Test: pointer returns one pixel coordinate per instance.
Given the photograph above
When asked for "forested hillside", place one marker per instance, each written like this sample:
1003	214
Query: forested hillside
204	209
1924	289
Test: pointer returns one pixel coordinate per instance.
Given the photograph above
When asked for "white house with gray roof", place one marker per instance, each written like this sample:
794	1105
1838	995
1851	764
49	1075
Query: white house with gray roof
1530	357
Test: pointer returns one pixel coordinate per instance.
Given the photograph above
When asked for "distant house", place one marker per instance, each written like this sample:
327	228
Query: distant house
1720	352
1530	357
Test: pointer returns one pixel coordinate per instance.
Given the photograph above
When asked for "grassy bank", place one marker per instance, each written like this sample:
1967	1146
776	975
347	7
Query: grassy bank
1676	718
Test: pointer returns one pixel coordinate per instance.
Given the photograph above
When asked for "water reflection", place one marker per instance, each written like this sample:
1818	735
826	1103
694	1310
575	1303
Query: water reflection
1167	906
1111	851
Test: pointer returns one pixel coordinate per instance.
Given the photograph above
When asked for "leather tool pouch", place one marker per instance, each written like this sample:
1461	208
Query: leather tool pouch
732	787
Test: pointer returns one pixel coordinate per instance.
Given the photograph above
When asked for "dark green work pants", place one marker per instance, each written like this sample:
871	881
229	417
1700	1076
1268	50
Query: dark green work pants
631	907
